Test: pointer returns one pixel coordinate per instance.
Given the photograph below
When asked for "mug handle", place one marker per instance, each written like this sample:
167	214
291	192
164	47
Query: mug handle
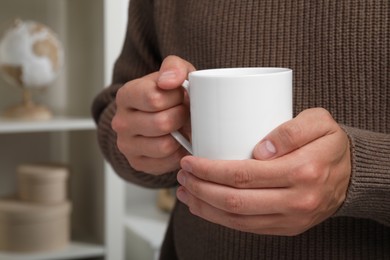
176	134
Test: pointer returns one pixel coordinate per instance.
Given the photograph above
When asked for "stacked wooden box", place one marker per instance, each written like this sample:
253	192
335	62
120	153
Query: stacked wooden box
38	219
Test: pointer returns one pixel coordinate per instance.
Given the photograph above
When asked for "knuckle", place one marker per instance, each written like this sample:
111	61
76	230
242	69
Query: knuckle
233	203
119	94
163	122
167	145
154	100
171	57
242	178
194	187
237	223
325	117
136	163
195	207
121	97
205	171
308	173
194	210
290	133
306	205
116	124
324	114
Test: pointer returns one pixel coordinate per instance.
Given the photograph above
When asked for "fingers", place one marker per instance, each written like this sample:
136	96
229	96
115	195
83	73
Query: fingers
173	72
156	166
236	212
134	122
304	183
265	224
308	126
245	174
232	200
159	90
147	110
247	223
143	94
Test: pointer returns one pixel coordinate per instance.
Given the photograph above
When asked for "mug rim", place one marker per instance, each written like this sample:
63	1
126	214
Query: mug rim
239	72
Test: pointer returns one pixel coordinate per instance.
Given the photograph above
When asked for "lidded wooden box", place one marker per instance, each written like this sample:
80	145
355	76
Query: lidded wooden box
42	183
28	227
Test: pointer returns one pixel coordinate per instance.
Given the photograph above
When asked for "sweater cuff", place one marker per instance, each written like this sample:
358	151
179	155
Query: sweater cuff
368	193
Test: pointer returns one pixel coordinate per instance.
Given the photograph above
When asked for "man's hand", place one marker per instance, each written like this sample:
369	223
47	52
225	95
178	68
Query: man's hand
148	110
297	179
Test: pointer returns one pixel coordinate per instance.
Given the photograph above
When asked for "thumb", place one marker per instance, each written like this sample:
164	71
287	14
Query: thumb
173	72
308	126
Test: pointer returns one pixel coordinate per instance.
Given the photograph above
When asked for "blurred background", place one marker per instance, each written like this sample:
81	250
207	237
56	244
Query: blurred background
109	219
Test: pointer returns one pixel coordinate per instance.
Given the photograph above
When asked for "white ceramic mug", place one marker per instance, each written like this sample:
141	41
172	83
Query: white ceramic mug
233	109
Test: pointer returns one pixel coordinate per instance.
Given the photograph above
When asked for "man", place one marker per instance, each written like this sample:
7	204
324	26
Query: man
318	186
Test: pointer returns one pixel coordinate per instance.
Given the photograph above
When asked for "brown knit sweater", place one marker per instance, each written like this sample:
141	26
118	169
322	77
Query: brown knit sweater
339	51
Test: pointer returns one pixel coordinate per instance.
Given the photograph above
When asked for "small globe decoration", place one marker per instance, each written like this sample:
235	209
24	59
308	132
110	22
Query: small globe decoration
31	58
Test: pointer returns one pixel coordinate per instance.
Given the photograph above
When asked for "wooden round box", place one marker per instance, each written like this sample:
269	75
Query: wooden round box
28	227
42	183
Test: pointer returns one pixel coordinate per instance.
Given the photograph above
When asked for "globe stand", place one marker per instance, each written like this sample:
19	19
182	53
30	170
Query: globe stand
28	110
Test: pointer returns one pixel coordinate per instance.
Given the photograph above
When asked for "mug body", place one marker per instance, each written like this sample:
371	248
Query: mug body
233	109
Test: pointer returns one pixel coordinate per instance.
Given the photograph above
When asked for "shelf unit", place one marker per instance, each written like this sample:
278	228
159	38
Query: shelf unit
54	138
58	123
92	34
76	250
108	215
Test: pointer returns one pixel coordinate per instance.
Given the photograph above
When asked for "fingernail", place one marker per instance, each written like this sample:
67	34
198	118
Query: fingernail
182	195
167	75
265	150
181	178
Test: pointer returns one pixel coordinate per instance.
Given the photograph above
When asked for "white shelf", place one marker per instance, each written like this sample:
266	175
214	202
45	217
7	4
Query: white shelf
145	224
75	250
148	222
149	230
55	124
145	227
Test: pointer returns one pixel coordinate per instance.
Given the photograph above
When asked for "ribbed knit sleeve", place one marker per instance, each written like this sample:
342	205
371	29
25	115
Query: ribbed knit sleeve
369	190
139	57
